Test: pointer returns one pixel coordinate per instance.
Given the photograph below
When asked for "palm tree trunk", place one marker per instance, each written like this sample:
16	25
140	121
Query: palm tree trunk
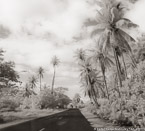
53	82
94	97
105	82
104	77
102	91
125	69
118	72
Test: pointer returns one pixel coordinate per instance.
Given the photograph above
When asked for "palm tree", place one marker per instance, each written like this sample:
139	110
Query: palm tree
40	73
55	62
105	62
32	82
89	78
110	24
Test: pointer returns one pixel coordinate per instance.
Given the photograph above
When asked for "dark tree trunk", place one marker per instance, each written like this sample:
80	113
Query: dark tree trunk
94	97
53	80
105	83
118	71
103	73
125	69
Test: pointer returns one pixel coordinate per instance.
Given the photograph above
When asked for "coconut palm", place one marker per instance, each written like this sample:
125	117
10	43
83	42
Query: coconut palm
55	62
40	73
89	78
104	61
110	24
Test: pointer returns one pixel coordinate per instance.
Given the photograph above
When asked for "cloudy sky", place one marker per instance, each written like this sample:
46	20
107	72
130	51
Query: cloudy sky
40	29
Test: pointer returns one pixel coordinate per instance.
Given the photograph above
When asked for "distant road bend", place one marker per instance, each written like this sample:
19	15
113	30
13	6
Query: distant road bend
70	120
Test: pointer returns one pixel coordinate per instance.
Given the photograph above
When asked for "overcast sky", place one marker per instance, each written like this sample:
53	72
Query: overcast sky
40	29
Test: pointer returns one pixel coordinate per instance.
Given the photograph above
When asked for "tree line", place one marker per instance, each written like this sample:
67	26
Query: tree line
110	70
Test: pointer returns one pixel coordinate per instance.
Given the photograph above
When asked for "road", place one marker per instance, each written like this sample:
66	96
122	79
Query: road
70	120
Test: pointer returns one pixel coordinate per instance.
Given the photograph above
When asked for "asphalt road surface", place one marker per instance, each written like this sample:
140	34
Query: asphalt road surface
70	120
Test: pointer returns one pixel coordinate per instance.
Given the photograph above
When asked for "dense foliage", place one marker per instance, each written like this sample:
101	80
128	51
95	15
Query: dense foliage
55	100
8	76
113	73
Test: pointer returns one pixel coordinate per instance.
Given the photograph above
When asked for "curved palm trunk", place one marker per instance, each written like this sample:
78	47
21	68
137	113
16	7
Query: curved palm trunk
105	82
102	91
95	98
125	69
53	82
104	77
118	71
93	94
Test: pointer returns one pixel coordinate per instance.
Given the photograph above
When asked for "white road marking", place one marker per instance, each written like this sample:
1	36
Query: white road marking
42	129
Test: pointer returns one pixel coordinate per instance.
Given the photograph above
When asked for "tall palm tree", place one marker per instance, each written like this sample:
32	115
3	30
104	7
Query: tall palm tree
40	73
104	61
88	77
110	24
55	62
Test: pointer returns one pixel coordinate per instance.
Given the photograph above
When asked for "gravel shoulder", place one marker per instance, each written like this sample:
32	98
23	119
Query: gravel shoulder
96	122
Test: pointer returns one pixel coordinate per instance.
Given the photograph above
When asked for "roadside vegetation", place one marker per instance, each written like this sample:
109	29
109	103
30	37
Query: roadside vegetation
112	72
33	99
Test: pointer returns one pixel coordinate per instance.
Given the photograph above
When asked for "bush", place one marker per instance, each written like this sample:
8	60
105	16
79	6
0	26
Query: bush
56	100
129	110
8	105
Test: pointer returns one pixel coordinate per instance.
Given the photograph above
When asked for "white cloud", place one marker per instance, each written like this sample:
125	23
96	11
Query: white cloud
137	14
37	17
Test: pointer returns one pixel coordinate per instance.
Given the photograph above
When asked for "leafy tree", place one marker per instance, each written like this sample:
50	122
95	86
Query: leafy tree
40	73
105	62
55	62
89	77
49	100
7	73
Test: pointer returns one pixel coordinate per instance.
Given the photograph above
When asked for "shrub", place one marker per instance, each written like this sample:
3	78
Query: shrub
48	100
129	110
8	105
